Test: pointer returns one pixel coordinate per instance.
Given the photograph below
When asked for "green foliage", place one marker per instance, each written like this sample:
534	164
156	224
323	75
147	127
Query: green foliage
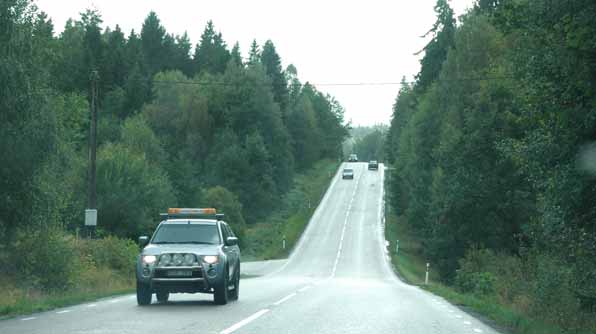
227	203
264	239
371	146
152	41
46	259
28	128
485	148
211	53
131	191
272	63
471	278
111	252
62	271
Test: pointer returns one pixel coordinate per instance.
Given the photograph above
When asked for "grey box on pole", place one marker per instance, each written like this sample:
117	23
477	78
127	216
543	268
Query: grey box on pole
90	217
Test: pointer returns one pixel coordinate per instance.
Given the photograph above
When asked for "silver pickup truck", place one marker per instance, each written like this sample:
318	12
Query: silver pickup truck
189	253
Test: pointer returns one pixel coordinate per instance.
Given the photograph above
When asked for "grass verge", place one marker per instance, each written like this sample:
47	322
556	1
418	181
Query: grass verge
410	265
264	240
20	301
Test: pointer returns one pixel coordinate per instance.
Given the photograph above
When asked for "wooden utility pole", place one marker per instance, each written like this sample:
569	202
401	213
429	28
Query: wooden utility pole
91	213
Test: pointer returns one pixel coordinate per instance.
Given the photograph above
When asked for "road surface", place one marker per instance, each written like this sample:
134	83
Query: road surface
337	280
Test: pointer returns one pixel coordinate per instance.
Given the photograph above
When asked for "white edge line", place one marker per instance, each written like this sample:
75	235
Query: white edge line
92	305
285	298
27	319
61	312
314	216
304	288
244	322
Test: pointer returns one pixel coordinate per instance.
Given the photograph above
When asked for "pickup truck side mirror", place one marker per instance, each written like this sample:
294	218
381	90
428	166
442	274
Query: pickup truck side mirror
231	241
143	240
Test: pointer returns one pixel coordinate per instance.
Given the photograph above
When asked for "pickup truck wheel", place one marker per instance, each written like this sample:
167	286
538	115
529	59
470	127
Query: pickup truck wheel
220	296
143	294
162	296
234	294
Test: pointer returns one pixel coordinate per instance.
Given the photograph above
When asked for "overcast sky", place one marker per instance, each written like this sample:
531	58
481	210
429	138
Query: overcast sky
329	41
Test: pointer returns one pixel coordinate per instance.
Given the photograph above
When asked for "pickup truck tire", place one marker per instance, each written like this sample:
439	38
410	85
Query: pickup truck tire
220	295
143	294
162	296
234	294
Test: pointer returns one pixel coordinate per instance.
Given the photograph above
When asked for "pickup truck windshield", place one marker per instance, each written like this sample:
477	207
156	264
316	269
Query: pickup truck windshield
186	234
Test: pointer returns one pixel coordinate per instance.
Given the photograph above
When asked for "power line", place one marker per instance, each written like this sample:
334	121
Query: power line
339	84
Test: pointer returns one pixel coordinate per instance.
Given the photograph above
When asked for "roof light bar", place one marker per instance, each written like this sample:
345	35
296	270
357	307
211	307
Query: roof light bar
191	211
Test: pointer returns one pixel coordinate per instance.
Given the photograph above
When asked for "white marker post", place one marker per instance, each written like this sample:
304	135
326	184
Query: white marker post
426	276
396	247
283	242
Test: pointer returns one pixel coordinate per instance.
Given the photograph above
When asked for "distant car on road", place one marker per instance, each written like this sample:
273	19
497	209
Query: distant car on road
373	165
191	251
353	158
347	173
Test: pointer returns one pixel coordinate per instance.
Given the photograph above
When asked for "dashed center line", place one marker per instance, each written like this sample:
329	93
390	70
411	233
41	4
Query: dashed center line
343	230
244	322
467	322
92	305
27	319
477	330
285	298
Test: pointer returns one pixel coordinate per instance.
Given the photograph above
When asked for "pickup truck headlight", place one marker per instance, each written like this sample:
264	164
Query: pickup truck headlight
149	259
189	259
210	259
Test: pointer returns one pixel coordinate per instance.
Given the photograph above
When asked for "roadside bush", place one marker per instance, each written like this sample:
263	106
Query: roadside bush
551	288
46	259
112	253
477	272
482	283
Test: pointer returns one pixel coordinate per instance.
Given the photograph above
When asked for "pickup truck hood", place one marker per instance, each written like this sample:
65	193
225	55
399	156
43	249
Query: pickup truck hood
181	248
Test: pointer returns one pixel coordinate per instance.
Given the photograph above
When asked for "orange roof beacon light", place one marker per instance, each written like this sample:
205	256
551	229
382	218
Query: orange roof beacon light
191	211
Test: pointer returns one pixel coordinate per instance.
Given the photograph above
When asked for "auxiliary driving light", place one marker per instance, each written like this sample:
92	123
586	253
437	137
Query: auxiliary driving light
178	259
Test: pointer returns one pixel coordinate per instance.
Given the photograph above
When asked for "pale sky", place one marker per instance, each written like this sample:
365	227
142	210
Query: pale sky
329	41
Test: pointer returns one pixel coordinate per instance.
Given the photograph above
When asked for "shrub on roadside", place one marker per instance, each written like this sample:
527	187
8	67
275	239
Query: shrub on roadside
551	290
473	275
46	259
112	253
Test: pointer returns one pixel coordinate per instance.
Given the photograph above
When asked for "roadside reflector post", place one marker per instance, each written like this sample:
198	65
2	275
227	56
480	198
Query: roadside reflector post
283	242
396	246
426	276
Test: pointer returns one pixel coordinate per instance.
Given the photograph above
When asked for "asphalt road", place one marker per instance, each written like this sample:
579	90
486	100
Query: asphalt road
338	280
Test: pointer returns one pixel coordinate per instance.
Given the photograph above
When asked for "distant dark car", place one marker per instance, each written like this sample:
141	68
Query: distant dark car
353	158
347	173
373	165
189	253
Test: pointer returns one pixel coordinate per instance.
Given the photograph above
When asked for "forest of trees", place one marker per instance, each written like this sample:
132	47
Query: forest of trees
367	142
177	125
493	153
